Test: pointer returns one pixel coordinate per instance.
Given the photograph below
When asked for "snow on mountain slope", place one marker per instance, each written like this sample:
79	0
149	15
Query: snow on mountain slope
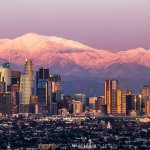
73	58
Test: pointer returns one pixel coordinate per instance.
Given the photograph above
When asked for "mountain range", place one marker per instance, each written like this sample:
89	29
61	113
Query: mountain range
82	68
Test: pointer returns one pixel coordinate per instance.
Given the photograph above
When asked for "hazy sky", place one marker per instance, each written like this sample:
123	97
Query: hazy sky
104	24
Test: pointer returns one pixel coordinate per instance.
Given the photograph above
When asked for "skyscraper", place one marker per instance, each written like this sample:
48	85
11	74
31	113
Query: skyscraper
15	77
25	93
6	73
28	70
14	90
56	87
44	91
111	87
147	106
133	104
5	103
123	102
145	91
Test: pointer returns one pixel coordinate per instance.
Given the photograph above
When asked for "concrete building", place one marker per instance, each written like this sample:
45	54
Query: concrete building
56	87
28	70
145	91
99	102
6	74
80	97
14	90
111	88
133	104
15	77
44	91
25	93
77	107
123	102
92	102
5	103
147	106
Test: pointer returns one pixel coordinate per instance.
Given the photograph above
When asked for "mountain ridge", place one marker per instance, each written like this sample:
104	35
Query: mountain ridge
59	52
70	58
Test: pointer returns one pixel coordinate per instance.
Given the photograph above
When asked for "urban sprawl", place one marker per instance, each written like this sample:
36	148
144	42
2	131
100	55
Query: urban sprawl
34	114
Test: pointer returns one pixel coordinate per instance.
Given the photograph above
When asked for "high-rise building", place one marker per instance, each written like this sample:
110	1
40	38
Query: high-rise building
43	73
6	74
15	77
44	91
25	93
99	102
34	104
118	101
111	88
28	70
54	108
5	103
133	104
14	90
2	86
123	102
147	106
145	91
56	87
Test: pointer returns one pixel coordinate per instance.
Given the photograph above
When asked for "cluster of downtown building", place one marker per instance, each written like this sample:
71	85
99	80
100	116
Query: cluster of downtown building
41	94
25	93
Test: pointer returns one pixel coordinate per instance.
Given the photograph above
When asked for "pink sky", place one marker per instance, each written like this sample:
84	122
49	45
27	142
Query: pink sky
105	24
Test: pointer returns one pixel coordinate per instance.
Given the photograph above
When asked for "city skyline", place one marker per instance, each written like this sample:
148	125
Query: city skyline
102	24
74	74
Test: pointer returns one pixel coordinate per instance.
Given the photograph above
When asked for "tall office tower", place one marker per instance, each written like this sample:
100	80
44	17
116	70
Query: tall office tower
28	70
111	87
118	101
5	103
54	108
43	74
44	91
147	106
99	102
6	74
34	104
123	102
2	86
25	93
77	107
145	91
133	104
56	87
15	77
129	92
14	90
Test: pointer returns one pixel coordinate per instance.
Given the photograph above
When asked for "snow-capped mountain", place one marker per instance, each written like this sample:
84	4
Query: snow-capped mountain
73	59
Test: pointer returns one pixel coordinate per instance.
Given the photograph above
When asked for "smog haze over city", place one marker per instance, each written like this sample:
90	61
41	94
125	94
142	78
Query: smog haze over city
74	74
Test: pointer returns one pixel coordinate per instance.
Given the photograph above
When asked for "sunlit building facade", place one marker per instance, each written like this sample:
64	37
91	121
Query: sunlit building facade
77	107
111	88
28	70
6	74
25	93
